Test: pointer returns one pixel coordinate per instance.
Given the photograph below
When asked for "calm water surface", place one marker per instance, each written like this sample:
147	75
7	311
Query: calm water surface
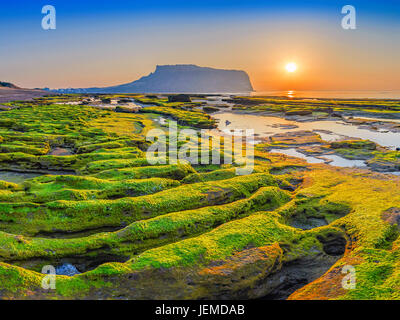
388	94
266	126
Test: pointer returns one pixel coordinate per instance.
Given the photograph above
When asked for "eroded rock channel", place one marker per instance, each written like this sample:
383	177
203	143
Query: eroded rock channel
119	227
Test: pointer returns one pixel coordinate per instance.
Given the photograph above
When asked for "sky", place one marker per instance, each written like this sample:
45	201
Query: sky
103	43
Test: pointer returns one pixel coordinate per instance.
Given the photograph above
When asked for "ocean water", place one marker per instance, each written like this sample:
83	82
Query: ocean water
389	94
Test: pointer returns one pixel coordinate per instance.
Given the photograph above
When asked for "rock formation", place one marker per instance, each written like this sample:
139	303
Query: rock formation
181	79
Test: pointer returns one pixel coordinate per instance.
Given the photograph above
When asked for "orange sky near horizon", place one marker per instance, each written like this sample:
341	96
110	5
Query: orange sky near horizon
328	57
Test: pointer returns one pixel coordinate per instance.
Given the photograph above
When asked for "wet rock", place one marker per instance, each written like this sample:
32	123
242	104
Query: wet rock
296	138
354	144
392	216
296	274
312	213
17	177
127	109
239	102
179	98
329	286
383	166
124	100
60	152
312	150
209	109
333	244
298	113
230	277
285	169
309	224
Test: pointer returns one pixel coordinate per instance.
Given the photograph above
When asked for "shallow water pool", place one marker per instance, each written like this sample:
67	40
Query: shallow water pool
17	177
266	126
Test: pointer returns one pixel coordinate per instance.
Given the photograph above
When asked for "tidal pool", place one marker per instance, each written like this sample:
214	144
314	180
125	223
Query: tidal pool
215	101
292	152
17	177
331	159
338	161
266	126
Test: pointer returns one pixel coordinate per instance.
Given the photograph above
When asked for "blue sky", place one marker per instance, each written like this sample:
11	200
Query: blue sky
108	42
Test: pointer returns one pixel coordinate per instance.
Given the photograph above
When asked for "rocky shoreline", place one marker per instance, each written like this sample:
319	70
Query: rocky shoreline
309	142
121	228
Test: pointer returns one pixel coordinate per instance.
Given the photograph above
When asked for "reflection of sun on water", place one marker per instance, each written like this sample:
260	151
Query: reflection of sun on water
290	94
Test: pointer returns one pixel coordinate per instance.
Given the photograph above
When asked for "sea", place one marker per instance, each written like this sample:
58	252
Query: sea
330	94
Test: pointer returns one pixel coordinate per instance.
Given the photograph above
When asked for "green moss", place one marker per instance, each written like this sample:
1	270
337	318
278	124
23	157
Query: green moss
178	217
177	172
191	118
353	144
88	214
141	235
304	208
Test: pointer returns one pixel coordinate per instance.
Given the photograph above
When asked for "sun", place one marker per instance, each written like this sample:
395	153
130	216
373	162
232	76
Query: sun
291	67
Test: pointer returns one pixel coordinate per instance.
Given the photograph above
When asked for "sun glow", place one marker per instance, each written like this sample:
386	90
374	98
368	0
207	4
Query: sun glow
291	67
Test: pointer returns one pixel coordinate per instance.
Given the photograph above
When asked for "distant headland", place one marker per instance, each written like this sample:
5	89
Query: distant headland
182	78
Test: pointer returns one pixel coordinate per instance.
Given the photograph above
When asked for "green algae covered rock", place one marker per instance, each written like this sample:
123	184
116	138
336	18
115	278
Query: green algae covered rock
133	230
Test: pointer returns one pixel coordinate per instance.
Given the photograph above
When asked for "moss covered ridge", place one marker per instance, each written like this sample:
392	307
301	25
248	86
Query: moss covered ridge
136	231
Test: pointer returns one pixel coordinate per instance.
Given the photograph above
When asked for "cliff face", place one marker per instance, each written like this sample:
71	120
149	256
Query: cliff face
182	78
